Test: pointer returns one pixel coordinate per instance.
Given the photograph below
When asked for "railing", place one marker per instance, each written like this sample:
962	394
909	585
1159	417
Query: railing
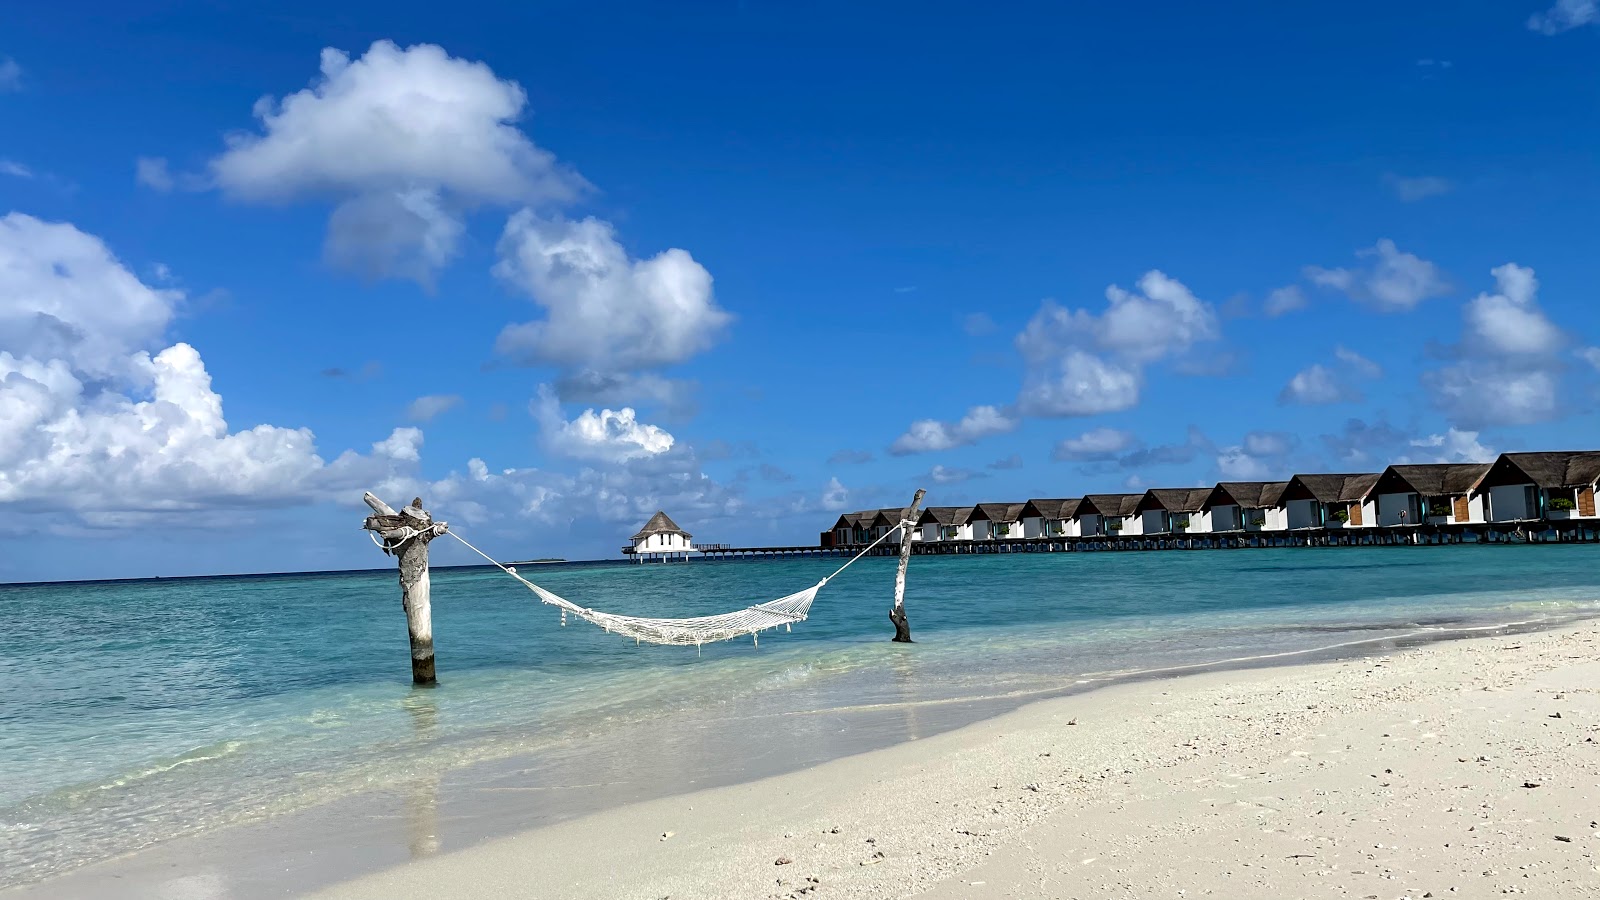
713	546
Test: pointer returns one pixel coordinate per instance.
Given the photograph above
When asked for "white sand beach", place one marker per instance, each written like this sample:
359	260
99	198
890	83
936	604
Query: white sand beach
1462	769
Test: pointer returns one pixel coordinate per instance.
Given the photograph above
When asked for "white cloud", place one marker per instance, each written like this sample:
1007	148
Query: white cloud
1285	300
1510	322
1097	445
928	435
10	75
14	169
153	173
1316	385
1421	187
603	309
1237	464
1394	281
1261	456
1510	362
1079	384
978	324
1590	355
1452	446
1321	385
96	428
1080	363
430	406
66	297
835	496
607	435
1565	15
943	475
405	141
1357	363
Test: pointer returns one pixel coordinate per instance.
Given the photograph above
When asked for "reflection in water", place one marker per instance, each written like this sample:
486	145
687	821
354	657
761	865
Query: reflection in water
422	794
903	665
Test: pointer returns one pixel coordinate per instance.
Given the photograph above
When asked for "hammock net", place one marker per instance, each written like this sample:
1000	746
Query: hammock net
752	620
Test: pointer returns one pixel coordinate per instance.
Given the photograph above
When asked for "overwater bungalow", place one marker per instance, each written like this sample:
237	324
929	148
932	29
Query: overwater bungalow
946	523
662	539
1171	511
850	529
1109	514
997	521
1329	501
1551	485
1246	506
1050	518
1438	494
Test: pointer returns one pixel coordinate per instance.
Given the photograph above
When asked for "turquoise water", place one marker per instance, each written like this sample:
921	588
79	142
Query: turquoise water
133	712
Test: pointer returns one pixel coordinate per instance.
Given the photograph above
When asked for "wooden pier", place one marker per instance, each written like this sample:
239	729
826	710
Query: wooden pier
1557	532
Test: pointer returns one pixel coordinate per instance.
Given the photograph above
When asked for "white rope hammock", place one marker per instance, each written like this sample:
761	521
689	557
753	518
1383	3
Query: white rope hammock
752	620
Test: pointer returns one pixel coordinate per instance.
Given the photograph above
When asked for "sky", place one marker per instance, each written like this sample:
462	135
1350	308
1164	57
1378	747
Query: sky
555	267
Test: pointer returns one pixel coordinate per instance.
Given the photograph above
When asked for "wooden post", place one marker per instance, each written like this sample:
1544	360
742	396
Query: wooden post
897	615
406	534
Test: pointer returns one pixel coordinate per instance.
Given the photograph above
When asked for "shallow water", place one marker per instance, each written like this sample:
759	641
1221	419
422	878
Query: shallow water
134	712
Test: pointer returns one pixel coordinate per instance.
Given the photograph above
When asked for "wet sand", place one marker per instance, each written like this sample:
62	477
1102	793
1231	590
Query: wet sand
1460	769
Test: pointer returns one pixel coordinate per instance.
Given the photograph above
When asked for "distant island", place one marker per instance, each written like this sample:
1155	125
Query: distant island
534	562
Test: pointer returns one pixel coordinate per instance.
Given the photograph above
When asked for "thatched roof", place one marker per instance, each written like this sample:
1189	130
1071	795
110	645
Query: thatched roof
1177	500
1247	494
1051	509
1556	469
1433	480
1330	488
889	517
945	515
1111	504
998	512
660	523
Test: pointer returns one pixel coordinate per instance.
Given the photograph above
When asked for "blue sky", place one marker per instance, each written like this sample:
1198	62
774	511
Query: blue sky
555	267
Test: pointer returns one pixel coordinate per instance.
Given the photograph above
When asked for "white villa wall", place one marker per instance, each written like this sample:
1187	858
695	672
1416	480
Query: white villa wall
1391	505
1369	513
1131	525
1303	513
1475	509
1151	521
664	543
1509	502
1013	531
1277	519
1223	518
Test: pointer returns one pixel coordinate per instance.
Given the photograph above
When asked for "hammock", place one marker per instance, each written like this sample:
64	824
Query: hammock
752	620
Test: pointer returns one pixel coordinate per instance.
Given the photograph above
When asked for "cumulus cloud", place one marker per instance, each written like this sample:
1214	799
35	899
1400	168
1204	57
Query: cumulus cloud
1510	362
1323	385
405	142
929	435
613	388
1454	446
1420	187
154	173
1080	363
606	435
1098	445
97	428
1391	280
835	496
430	406
947	475
1285	300
603	309
1565	15
1261	456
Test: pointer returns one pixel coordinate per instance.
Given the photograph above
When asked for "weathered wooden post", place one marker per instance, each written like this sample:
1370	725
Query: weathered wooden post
406	534
902	628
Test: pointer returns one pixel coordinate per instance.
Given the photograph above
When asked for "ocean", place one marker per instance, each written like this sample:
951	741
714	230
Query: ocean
136	713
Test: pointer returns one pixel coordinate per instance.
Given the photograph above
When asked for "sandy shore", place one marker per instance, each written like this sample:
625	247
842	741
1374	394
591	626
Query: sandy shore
1464	769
